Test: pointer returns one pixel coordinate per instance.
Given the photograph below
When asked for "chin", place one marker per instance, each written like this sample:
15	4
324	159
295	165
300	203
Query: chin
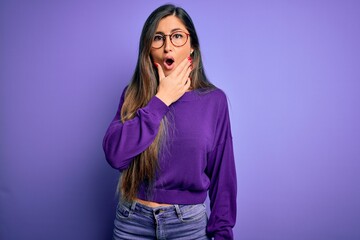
167	73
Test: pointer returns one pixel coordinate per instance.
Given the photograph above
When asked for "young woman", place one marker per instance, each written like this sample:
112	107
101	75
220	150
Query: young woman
171	140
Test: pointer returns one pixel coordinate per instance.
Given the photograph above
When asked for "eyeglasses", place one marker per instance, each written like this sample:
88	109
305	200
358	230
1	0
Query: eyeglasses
178	39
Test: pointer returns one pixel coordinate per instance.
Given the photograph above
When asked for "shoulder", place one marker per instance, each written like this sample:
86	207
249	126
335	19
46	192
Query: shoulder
215	95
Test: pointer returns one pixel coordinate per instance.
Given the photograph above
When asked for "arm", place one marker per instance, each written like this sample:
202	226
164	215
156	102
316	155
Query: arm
222	173
123	141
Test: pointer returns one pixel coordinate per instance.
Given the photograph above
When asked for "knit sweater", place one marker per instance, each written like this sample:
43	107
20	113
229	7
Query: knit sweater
198	158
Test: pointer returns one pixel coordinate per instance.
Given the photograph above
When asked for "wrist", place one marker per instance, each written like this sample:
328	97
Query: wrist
163	99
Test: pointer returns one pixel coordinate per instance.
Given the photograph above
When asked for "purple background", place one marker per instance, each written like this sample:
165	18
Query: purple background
291	70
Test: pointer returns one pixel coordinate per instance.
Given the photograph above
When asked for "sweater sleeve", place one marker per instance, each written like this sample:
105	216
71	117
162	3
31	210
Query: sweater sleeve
222	173
123	141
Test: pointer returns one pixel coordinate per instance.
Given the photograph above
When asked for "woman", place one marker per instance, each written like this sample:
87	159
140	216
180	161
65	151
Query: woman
171	140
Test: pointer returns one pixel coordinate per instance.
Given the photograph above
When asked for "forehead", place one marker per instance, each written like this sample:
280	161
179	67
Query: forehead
169	23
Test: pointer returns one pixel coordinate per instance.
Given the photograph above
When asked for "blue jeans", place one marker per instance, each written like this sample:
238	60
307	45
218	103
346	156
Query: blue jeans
136	221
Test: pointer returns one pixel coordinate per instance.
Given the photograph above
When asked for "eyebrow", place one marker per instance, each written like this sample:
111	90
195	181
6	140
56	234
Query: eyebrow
173	30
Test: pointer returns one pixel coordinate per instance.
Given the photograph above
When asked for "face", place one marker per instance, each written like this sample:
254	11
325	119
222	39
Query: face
170	56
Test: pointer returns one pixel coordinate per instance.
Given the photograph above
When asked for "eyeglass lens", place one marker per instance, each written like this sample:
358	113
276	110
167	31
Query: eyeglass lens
178	39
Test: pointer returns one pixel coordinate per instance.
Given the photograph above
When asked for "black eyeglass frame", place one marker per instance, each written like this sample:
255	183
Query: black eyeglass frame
169	35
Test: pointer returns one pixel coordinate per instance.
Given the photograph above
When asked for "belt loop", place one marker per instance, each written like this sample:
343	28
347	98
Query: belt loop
133	205
178	211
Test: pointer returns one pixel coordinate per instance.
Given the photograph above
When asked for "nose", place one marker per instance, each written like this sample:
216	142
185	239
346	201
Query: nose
167	44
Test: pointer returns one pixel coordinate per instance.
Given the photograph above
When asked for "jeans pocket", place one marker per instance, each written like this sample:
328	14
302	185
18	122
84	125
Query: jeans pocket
122	212
193	213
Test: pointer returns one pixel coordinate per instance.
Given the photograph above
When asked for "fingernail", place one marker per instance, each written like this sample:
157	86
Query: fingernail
155	64
190	59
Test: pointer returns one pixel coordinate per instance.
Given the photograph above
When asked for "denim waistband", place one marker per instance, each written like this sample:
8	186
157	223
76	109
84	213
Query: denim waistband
138	207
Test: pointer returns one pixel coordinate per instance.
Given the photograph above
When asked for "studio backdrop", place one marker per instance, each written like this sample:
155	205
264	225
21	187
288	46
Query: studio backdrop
290	70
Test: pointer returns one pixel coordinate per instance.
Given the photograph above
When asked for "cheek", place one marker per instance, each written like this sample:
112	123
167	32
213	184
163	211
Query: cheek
186	51
183	54
155	55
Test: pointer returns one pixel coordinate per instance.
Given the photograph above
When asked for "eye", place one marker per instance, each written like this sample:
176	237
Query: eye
158	38
177	36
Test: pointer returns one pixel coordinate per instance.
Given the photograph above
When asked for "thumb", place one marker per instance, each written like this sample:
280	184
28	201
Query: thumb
160	71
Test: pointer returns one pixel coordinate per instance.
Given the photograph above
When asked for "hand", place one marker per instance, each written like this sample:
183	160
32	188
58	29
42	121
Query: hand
173	86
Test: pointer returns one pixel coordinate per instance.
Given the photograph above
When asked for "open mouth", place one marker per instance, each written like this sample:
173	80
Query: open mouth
169	62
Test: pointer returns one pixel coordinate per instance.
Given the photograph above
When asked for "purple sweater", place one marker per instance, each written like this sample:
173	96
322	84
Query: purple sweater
199	156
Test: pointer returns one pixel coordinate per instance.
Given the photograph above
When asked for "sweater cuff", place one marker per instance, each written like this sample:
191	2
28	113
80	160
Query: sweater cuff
224	235
157	107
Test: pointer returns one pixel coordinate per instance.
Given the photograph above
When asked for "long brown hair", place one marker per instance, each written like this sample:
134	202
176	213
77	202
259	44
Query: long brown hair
143	87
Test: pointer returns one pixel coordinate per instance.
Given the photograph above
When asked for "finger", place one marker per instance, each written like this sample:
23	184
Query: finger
185	74
187	84
160	71
180	68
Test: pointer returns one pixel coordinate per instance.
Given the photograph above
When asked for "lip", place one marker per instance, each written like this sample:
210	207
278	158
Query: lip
166	65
